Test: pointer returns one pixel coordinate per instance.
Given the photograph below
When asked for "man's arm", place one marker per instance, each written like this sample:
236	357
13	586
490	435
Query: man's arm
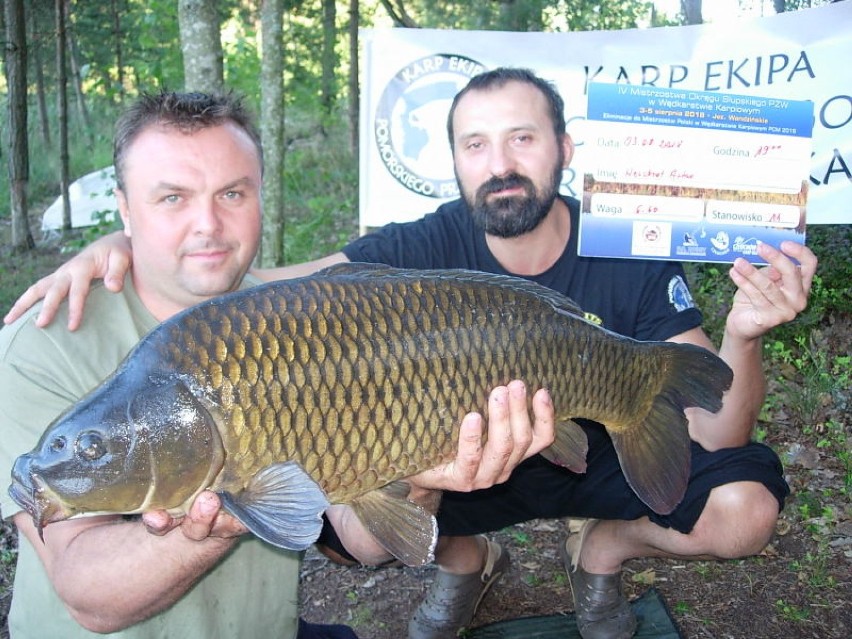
109	258
765	298
112	573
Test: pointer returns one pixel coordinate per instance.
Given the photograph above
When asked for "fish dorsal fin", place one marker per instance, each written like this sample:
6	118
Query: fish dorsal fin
281	504
522	286
407	531
355	268
569	448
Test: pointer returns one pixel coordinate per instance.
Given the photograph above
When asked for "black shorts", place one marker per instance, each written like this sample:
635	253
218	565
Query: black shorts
322	631
538	489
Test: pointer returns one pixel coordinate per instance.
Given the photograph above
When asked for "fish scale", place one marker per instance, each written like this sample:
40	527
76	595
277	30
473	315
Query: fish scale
395	357
328	389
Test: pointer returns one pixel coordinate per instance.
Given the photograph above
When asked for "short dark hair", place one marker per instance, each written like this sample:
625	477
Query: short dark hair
186	112
497	78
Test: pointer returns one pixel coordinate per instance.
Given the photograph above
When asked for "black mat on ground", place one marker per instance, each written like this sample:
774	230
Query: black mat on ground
651	611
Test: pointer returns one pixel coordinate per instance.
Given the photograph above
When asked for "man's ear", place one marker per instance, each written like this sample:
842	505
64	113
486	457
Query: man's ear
567	150
123	210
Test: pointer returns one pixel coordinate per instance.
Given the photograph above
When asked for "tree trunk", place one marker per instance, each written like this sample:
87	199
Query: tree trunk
354	93
201	45
329	56
16	80
398	14
76	80
35	47
272	132
61	84
119	61
691	11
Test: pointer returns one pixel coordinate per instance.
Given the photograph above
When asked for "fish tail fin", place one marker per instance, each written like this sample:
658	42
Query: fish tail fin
655	454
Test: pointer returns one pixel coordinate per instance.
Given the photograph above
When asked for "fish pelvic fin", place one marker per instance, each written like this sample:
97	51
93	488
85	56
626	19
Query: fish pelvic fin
655	451
569	447
282	505
406	530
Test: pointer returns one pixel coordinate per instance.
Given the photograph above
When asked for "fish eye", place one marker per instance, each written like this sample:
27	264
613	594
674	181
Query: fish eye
90	446
57	445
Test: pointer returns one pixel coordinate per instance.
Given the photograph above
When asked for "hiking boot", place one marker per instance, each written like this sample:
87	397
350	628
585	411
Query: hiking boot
602	610
452	600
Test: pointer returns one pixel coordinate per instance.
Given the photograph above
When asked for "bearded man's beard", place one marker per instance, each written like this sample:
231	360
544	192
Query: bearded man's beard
513	215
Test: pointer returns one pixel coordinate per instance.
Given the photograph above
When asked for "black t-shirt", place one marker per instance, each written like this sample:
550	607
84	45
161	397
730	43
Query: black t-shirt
643	299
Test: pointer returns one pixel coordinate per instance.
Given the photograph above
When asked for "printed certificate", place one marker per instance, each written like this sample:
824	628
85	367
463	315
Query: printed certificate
692	175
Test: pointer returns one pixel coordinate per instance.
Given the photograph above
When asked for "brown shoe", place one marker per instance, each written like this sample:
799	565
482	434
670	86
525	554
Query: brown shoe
452	600
602	610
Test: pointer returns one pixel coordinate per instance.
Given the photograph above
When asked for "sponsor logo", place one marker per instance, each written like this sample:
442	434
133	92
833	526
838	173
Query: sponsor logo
411	122
745	246
679	296
721	243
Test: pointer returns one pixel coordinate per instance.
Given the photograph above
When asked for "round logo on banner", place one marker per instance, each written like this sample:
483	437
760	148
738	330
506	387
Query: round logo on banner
411	122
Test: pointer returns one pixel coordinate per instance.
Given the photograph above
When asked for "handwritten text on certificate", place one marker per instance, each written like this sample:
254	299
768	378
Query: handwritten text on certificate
692	175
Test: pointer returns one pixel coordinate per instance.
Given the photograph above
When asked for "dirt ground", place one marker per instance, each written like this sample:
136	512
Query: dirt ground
763	597
800	587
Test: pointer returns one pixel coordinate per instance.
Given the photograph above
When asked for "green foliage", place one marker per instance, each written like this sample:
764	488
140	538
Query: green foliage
713	290
148	41
809	375
18	275
531	15
242	50
791	612
8	561
106	222
521	537
531	579
320	193
88	151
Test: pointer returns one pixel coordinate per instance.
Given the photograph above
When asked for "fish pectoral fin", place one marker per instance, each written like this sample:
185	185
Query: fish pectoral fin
407	531
569	447
655	455
282	505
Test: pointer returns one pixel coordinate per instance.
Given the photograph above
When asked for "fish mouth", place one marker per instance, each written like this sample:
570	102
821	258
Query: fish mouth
37	499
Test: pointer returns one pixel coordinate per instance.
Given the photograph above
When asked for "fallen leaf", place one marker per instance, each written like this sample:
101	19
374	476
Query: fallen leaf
646	577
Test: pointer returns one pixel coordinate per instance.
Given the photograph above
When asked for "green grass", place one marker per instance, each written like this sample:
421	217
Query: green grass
88	151
320	195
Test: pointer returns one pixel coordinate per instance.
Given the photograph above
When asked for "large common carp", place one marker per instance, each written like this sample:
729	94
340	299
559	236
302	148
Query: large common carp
331	388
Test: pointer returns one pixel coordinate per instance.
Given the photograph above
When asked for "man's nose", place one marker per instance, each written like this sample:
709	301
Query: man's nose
501	160
208	217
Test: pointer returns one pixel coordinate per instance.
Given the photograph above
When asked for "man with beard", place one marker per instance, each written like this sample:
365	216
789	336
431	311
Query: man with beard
509	143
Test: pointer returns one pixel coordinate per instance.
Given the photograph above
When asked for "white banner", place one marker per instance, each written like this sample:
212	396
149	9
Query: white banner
411	76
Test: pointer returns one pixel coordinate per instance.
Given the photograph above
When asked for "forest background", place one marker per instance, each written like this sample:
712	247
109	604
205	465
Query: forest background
71	65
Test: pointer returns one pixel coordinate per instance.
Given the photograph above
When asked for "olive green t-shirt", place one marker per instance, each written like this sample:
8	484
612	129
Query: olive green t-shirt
251	593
